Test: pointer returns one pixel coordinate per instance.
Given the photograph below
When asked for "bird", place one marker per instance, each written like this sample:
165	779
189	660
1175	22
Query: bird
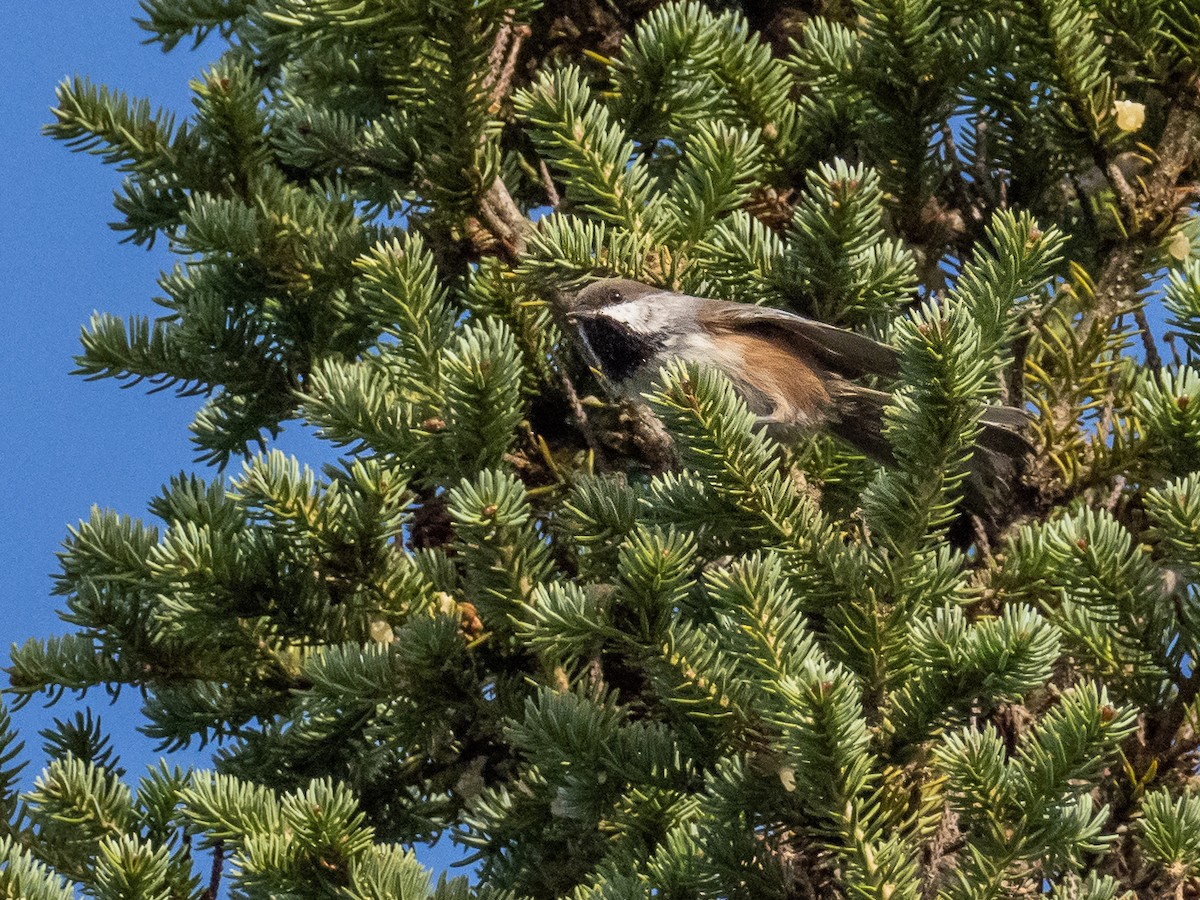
794	374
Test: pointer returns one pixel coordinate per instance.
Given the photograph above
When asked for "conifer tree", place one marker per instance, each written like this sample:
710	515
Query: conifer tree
618	655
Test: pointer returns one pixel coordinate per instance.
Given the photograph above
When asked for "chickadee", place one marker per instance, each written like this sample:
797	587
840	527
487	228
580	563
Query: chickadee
793	373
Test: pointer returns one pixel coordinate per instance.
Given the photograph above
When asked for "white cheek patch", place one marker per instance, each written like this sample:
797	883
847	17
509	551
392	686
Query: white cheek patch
646	315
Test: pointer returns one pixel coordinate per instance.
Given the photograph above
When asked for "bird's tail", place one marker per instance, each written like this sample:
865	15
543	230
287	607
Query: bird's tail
994	491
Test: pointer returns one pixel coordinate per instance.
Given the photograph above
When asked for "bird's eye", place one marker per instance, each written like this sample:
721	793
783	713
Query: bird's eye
616	297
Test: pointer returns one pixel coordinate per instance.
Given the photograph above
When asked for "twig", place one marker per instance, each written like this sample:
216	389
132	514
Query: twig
966	205
1085	203
1014	385
803	880
218	865
1115	496
504	219
548	182
503	81
1153	360
983	176
1125	194
496	55
654	442
952	153
581	420
939	851
981	539
499	212
1108	410
1170	337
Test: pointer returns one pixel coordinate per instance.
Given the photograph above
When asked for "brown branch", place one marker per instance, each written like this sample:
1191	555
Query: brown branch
1085	203
951	150
1170	337
968	197
1014	385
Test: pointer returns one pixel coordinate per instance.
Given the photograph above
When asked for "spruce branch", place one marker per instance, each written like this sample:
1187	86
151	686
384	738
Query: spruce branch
170	21
1009	806
931	425
123	132
579	138
1182	300
1169	835
24	875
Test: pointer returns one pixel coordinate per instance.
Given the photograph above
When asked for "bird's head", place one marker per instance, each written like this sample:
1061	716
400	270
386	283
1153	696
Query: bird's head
624	323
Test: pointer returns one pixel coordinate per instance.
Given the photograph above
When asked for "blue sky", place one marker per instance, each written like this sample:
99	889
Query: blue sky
72	443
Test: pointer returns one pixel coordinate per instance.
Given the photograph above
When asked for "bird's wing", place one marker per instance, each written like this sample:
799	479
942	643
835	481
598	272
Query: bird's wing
842	352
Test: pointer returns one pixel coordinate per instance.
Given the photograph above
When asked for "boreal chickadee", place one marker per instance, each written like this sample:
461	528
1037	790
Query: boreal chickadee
793	373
